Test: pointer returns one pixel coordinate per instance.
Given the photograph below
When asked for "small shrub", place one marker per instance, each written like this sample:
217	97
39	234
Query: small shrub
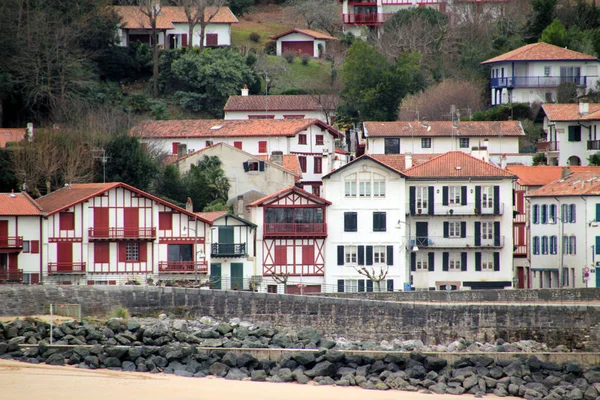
289	56
305	58
271	47
254	36
120	312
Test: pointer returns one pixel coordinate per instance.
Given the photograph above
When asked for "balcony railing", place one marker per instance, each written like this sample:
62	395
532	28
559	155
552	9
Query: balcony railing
182	267
122	233
298	230
11	242
520	250
294	270
57	268
593	144
453	243
537	81
547	146
455	209
11	275
367	18
228	249
520	218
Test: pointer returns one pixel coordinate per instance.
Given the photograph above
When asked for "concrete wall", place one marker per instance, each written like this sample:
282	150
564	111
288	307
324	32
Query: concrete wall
554	324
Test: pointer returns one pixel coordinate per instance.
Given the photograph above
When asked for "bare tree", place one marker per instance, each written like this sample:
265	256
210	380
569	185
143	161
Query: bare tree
201	13
377	275
150	9
318	14
281	278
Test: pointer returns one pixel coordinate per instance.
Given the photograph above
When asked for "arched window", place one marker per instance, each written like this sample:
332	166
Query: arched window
544	244
544	214
553	245
536	245
535	214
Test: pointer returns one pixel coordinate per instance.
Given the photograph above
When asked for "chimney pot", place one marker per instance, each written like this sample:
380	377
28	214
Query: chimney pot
565	172
277	157
181	150
245	91
584	108
408	161
189	205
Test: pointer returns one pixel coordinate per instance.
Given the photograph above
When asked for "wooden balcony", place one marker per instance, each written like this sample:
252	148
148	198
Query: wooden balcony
294	270
182	267
228	249
272	229
520	250
67	268
369	19
11	243
11	275
122	233
441	242
536	81
445	210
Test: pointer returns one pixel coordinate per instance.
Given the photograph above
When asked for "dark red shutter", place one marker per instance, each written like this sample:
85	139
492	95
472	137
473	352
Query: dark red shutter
122	251
101	252
67	221
262	146
174	149
165	221
308	255
237	145
35	246
212	39
142	251
318	165
184	40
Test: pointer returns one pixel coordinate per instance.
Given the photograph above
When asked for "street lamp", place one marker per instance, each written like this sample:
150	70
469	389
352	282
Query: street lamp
409	249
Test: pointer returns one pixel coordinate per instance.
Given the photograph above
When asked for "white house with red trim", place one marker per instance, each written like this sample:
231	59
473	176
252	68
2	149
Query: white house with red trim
302	41
316	106
311	140
363	227
173	27
534	73
290	240
437	137
20	238
108	233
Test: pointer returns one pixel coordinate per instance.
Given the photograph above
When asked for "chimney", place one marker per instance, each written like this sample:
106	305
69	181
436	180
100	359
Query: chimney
240	206
565	172
584	108
277	157
29	132
408	161
189	206
181	150
245	91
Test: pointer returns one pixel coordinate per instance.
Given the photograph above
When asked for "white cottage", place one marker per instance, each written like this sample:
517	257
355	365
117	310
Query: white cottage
303	41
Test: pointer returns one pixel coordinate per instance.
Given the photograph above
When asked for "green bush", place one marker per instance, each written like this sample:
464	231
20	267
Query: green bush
254	36
120	312
504	112
137	103
305	58
289	56
271	47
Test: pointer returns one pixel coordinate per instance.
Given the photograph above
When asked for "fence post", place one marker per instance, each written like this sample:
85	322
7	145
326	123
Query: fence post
51	322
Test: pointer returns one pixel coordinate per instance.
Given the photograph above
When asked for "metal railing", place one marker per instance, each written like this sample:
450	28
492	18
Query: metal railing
55	268
182	267
295	229
294	270
547	146
366	18
11	275
593	144
459	242
537	81
520	250
228	249
455	209
122	233
11	242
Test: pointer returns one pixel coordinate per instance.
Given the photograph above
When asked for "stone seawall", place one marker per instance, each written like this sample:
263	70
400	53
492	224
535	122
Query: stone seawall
554	324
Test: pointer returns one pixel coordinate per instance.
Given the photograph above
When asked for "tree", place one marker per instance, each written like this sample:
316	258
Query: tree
317	14
373	85
129	162
376	275
207	79
542	16
594	160
201	13
8	178
539	159
206	182
555	34
151	10
240	7
281	279
170	186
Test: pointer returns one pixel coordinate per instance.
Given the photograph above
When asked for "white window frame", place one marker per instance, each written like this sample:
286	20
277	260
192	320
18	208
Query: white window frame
350	255
422	261
379	254
422	198
350	188
487	230
487	261
378	188
454	195
132	252
487	197
454	260
350	285
26	246
364	185
425	143
454	229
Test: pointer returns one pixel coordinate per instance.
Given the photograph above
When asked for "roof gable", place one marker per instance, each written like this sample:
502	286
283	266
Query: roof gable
570	112
457	164
361	159
18	204
540	52
541	175
307	32
576	184
273	197
443	128
218	215
280	103
133	18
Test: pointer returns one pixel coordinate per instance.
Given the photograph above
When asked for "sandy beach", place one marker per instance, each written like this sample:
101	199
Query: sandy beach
21	381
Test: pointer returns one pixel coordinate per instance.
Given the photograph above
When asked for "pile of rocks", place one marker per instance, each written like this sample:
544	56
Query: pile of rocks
174	347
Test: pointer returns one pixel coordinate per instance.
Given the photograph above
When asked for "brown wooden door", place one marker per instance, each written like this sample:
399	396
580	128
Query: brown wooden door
131	219
212	39
101	221
304	47
64	256
3	233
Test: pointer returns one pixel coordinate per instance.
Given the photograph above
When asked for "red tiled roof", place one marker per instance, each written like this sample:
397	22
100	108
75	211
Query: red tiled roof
341	151
11	135
219	128
398	161
291	162
133	18
283	192
443	128
308	32
278	103
456	164
18	204
576	184
71	195
540	52
570	112
211	216
541	175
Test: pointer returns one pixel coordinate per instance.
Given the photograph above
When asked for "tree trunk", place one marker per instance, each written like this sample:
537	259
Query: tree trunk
202	29
191	35
154	63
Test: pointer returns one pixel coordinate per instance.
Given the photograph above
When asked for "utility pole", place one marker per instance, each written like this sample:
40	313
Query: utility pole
103	159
